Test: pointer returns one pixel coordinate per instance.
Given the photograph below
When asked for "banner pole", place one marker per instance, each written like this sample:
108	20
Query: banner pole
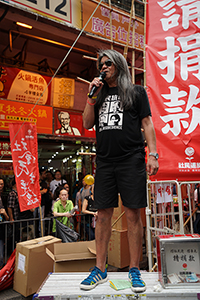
129	27
41	223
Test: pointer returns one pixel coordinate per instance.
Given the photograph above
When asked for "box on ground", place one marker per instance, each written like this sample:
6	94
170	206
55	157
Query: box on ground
178	260
118	250
73	257
32	264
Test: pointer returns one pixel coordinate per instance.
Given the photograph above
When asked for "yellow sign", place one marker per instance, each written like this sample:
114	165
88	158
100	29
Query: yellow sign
63	92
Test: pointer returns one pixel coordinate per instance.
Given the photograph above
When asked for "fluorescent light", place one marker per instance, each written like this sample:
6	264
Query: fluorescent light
6	160
24	25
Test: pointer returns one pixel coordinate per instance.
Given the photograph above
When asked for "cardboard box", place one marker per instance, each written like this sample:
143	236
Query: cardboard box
32	264
73	257
118	250
121	224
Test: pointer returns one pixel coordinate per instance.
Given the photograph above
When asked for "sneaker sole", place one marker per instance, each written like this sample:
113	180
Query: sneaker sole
92	286
137	289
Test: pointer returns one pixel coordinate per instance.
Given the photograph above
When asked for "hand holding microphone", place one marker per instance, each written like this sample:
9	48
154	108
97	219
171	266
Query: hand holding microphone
95	88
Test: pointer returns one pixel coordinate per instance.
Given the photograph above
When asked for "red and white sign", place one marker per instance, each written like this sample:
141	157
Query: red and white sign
173	75
23	138
68	123
163	192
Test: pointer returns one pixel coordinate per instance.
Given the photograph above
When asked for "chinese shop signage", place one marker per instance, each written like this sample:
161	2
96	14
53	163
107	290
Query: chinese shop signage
11	111
173	77
68	123
100	24
5	149
23	138
24	86
63	92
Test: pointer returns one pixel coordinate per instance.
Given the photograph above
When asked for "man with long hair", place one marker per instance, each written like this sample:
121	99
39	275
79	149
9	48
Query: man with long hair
120	159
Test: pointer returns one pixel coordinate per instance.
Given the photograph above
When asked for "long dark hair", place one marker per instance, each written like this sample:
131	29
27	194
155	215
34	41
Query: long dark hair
124	82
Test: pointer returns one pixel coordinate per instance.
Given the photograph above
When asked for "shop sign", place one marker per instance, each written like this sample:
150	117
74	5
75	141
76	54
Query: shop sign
23	139
24	86
100	24
173	77
68	123
11	111
63	92
5	149
64	11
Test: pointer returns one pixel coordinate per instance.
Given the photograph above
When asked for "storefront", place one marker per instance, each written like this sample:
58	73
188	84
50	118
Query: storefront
45	70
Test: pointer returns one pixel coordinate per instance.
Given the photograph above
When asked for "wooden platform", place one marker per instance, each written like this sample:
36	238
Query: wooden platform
65	286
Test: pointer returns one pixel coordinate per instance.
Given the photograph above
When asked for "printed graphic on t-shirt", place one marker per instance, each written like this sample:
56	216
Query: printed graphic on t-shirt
110	114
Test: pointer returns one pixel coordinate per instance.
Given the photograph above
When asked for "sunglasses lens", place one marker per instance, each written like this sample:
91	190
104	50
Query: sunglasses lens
108	63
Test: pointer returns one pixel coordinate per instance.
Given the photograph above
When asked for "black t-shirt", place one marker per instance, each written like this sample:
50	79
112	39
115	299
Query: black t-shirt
118	131
90	207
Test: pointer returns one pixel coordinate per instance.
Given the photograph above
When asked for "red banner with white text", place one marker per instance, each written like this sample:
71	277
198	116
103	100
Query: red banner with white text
23	138
173	75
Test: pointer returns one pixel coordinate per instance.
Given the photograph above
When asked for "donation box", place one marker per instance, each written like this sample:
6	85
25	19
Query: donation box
178	259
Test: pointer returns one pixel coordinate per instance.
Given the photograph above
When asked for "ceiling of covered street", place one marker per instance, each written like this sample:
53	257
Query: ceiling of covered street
44	47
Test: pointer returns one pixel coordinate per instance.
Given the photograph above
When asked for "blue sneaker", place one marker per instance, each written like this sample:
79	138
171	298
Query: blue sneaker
95	277
138	284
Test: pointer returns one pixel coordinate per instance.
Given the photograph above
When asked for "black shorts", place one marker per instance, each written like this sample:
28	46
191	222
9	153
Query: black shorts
127	177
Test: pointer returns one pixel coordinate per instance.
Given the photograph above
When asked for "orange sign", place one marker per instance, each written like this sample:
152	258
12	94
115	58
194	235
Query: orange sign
63	92
24	86
20	112
100	24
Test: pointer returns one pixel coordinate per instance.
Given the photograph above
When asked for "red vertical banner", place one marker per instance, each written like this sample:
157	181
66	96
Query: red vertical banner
173	82
24	149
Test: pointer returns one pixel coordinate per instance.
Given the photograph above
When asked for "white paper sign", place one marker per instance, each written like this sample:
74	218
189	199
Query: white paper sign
21	262
182	257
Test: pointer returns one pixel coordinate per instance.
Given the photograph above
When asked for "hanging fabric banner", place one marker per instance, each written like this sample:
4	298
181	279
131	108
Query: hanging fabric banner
173	75
23	138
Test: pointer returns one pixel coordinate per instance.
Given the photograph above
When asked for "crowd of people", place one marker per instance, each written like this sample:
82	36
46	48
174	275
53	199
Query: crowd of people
55	203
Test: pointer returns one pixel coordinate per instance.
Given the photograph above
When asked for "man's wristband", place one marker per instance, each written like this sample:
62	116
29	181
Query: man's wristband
90	102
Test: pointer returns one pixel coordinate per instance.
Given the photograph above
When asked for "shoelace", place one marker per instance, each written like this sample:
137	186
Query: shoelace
94	272
135	275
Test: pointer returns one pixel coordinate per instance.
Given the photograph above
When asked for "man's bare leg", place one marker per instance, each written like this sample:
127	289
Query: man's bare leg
135	235
102	236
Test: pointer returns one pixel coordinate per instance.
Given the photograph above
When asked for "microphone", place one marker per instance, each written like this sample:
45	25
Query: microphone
95	88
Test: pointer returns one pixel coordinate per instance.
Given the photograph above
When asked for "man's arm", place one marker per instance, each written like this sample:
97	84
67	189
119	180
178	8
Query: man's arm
88	114
152	163
10	213
65	214
3	212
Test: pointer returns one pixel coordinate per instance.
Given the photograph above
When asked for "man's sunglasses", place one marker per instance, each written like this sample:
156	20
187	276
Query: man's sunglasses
108	63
